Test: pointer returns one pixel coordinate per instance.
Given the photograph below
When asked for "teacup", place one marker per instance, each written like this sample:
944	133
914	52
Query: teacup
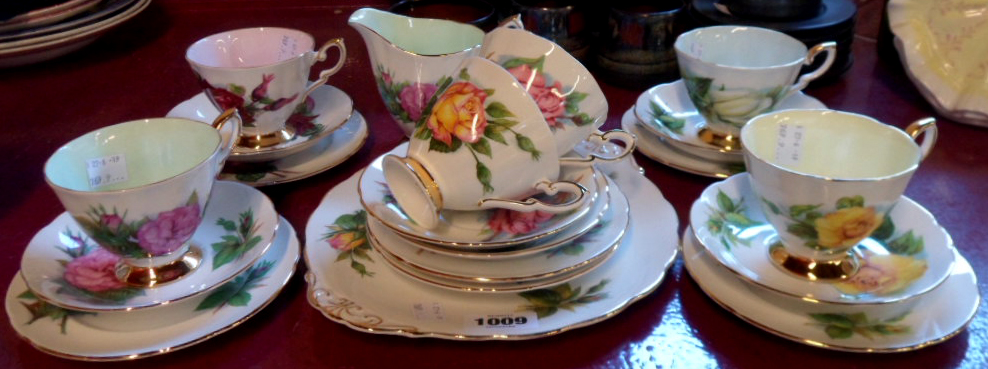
733	73
139	190
827	180
263	72
484	145
571	101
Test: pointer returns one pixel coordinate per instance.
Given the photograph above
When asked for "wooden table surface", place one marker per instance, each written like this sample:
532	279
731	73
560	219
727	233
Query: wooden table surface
138	71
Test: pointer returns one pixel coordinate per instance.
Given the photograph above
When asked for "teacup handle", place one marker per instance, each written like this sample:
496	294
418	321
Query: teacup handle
927	127
548	188
227	147
600	138
326	73
513	22
830	48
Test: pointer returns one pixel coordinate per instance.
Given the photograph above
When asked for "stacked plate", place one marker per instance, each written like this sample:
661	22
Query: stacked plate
668	128
67	302
893	303
497	250
54	31
487	274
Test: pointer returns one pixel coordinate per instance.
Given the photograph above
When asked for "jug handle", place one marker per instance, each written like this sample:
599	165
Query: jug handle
513	22
926	127
326	73
227	147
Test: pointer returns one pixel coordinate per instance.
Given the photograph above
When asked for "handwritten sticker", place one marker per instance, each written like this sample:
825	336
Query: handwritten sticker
106	171
789	144
501	323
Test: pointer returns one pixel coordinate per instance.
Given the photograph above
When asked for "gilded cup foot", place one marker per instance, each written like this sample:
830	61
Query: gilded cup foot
268	139
153	276
721	140
814	270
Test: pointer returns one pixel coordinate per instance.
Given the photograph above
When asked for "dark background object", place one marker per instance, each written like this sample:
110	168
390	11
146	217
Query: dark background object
476	12
635	46
774	9
561	21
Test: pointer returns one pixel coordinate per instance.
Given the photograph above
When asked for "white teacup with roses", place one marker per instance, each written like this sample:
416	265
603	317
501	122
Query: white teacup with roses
139	190
571	101
827	179
483	145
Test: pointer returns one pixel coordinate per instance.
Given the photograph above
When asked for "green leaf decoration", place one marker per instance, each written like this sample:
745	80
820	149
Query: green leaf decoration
236	292
482	146
237	89
40	309
439	146
117	296
797	211
802	230
535	63
356	224
665	120
232	247
495	135
484	176
885	230
423	133
547	301
698	89
906	244
728	220
497	110
772	207
843	326
850	202
725	203
464	75
527	145
250	177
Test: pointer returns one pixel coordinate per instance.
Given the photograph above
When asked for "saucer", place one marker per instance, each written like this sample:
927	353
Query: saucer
577	253
655	148
80	336
326	109
469	230
930	322
916	254
373	297
43	262
666	111
324	155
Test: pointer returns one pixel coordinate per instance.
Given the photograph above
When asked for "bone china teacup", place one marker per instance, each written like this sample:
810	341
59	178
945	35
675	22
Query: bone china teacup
826	180
264	73
733	73
484	145
139	190
573	105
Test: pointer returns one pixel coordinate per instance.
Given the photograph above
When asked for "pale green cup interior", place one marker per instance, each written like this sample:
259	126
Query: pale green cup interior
153	150
834	144
421	36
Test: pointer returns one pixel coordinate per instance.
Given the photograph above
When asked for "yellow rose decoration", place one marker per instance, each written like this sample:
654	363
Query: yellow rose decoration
459	112
883	274
846	227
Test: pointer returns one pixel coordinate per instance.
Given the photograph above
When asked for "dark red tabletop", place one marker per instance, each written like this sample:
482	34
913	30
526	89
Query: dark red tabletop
138	70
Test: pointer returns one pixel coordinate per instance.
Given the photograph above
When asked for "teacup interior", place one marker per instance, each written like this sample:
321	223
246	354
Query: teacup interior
135	153
250	47
743	47
830	144
421	36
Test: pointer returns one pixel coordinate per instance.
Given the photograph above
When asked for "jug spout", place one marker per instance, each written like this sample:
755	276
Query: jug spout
413	59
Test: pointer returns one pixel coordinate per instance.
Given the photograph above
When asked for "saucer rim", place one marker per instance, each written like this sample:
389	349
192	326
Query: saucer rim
353	145
702	253
292	248
951	247
663	152
258	251
561	225
607	246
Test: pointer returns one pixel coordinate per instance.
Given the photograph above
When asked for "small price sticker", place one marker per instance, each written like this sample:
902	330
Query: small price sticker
106	170
501	323
789	146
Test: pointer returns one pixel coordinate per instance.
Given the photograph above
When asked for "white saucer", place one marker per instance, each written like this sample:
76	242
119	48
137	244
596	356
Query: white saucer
938	316
42	265
729	222
680	122
467	230
74	339
655	148
331	108
381	300
324	155
582	251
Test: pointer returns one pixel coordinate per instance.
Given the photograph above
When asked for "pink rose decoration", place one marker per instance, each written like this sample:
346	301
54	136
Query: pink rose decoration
516	222
111	221
548	98
261	91
414	97
94	271
170	230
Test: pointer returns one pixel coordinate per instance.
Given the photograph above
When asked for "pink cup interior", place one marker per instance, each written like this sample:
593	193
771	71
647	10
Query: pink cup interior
249	47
